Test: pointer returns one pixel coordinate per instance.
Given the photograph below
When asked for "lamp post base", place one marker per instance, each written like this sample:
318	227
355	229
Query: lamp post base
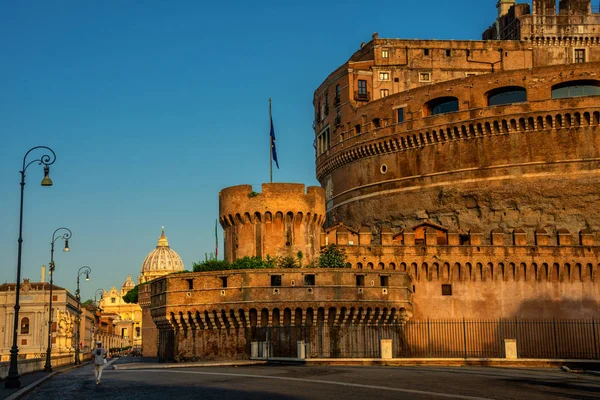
12	380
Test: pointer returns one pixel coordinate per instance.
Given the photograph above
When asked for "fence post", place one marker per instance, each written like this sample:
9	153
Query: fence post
465	337
595	338
428	338
555	338
501	341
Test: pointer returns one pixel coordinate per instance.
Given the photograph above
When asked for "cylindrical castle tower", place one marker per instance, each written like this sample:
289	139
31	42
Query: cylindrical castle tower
283	220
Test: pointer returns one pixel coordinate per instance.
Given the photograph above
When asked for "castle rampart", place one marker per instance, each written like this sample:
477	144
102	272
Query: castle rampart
215	314
281	221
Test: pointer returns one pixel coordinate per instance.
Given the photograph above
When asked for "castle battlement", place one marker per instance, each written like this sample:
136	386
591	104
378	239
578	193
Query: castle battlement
283	220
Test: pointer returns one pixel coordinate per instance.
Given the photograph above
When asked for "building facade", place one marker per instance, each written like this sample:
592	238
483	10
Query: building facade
32	330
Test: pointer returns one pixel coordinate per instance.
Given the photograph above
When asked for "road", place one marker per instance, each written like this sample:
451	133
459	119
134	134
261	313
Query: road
320	382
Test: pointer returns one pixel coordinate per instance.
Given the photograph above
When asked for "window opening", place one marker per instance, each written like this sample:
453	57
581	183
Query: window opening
25	326
400	115
275	280
385	53
384	92
309	280
579	56
223	281
507	95
360	280
190	283
576	89
384	76
446	290
384	281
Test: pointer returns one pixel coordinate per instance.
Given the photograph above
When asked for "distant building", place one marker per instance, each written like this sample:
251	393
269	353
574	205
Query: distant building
126	317
159	262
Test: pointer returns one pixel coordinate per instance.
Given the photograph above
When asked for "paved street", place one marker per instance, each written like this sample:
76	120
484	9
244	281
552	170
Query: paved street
320	382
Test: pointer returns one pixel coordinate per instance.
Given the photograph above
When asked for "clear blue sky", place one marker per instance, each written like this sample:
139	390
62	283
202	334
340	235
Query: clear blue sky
154	106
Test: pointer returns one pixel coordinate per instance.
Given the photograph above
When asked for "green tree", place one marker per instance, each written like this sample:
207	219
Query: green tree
333	257
132	295
88	302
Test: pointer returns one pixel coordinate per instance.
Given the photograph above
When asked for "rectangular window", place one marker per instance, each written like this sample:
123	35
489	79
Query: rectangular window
309	280
384	280
385	53
448	52
190	283
385	92
53	326
357	129
23	342
424	76
579	55
400	115
360	280
425	52
446	290
54	298
223	281
362	87
384	76
113	300
275	280
137	331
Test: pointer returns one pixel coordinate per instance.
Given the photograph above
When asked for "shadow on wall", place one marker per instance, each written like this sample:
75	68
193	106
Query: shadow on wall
567	309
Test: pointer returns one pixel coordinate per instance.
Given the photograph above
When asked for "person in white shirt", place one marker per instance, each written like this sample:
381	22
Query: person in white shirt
99	354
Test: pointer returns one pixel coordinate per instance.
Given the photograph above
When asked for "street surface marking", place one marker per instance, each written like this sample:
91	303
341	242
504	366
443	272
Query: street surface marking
358	385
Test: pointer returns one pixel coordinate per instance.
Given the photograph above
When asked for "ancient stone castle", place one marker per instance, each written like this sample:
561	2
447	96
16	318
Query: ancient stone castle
461	178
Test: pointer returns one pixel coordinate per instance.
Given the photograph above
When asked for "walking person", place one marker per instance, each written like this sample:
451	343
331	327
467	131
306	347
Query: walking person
99	361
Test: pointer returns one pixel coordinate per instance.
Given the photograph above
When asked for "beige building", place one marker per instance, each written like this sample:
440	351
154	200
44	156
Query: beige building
32	337
126	317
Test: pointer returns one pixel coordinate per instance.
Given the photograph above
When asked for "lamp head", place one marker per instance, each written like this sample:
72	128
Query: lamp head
87	276
66	249
46	181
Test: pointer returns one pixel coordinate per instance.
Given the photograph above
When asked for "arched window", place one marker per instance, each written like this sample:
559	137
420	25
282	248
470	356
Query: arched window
506	95
576	89
25	326
441	105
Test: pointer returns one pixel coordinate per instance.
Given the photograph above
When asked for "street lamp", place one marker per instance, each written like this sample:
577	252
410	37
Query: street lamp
87	271
66	236
13	380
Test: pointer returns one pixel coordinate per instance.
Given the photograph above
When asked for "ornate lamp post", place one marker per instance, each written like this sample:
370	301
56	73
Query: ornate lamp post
87	271
13	380
66	236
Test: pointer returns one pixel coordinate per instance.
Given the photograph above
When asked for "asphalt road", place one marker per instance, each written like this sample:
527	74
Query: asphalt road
320	382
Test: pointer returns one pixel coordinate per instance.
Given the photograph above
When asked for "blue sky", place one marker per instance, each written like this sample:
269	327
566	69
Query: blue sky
154	106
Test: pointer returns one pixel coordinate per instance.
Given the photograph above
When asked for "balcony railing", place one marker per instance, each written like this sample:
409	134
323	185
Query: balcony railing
362	96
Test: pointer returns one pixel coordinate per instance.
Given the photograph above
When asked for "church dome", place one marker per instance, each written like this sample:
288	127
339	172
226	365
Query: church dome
161	261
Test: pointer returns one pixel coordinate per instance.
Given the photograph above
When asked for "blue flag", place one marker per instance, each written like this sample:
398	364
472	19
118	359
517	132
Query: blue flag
273	149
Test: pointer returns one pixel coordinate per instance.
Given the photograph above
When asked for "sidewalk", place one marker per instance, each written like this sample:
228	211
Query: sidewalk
32	380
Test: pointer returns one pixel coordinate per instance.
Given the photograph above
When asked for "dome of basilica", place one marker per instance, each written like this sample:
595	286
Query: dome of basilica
161	261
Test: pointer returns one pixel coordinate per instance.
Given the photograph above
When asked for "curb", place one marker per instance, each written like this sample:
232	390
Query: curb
187	365
22	392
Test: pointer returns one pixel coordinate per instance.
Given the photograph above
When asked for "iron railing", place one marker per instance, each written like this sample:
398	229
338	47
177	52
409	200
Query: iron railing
551	339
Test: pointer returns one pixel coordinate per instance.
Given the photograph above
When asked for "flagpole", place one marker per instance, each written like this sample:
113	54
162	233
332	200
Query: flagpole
270	145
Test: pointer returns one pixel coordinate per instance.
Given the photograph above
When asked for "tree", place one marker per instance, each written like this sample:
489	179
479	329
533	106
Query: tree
131	296
88	302
333	257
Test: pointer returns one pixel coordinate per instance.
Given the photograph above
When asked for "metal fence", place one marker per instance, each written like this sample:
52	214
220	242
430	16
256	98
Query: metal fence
554	339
